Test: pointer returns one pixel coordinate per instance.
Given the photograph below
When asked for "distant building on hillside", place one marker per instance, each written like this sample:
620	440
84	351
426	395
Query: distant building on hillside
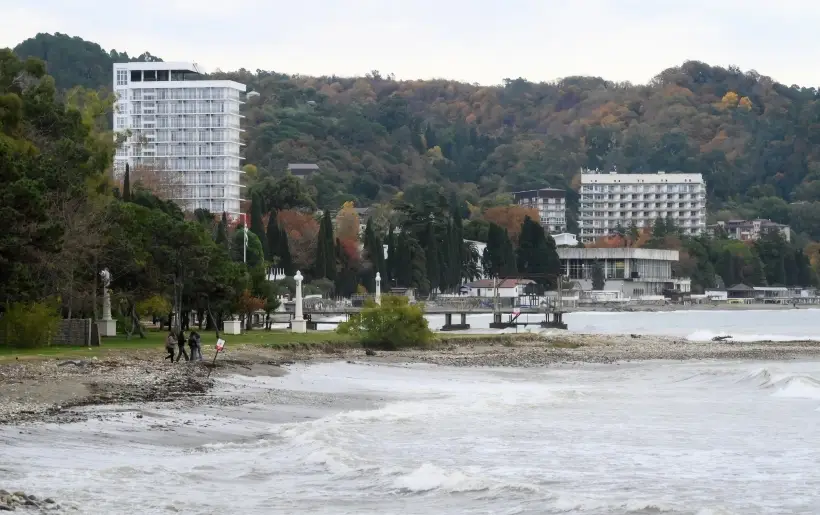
750	230
183	130
612	200
551	204
303	170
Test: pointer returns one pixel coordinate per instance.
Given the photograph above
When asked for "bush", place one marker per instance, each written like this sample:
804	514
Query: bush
29	325
393	325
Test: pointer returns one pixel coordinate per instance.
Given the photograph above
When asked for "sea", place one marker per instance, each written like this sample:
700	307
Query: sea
695	437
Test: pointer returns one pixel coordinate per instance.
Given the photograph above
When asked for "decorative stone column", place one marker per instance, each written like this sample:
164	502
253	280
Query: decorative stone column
298	324
107	326
378	288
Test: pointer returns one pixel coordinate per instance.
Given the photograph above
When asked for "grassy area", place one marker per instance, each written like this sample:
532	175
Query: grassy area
278	339
156	340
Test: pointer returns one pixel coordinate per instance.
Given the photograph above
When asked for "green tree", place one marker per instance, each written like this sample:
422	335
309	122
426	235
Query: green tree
598	276
537	254
257	225
126	184
222	233
395	324
325	249
431	258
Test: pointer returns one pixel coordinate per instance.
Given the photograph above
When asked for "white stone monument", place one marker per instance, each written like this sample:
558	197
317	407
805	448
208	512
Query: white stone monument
378	288
298	324
232	326
107	326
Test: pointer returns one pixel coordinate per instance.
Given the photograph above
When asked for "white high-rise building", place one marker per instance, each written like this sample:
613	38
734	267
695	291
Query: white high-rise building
181	131
551	204
612	200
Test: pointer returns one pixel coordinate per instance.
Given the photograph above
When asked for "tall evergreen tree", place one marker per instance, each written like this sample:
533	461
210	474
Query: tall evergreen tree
222	233
459	250
273	233
126	184
508	264
431	258
285	257
257	225
326	249
537	254
392	274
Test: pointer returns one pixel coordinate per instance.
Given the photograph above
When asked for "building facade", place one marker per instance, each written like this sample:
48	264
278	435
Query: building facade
551	204
750	230
183	132
633	272
611	201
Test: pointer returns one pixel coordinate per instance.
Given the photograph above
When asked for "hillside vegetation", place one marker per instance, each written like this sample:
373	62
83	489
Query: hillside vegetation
757	142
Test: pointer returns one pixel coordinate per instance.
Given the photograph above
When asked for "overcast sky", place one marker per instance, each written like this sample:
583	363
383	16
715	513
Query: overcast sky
470	40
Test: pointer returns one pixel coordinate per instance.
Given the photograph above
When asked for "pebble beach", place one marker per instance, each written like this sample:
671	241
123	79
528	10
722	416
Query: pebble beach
57	390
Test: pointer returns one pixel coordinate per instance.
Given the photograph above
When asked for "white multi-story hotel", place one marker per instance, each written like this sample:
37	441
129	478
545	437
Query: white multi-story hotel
612	200
183	130
551	204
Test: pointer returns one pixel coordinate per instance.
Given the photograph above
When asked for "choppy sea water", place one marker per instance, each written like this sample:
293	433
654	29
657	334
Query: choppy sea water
680	438
742	325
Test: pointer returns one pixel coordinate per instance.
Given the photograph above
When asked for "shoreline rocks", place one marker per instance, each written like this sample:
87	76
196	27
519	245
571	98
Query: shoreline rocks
27	502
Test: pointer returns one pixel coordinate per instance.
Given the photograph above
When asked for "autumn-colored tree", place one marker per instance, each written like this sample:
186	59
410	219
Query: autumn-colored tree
302	230
510	218
248	304
347	223
613	241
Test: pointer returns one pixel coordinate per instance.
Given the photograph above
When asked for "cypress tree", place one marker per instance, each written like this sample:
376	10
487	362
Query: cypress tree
285	258
391	274
326	249
222	233
126	184
431	258
507	266
257	225
272	237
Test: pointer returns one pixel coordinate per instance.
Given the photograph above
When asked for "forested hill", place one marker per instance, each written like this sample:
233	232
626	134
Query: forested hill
757	142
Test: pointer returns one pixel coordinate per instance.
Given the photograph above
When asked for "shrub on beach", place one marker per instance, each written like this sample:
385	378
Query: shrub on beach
29	324
395	324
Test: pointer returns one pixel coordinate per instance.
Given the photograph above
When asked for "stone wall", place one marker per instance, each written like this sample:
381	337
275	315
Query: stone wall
76	331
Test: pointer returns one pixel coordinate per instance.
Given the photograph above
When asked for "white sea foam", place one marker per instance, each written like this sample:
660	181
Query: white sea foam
638	438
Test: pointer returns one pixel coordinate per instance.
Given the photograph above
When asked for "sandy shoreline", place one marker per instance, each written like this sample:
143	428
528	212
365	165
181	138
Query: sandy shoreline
58	390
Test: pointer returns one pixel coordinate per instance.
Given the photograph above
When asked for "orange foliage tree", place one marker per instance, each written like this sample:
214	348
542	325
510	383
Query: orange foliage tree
347	223
510	218
303	232
248	304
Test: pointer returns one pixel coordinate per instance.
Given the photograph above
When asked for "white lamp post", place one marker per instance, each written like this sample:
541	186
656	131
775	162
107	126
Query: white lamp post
378	288
299	324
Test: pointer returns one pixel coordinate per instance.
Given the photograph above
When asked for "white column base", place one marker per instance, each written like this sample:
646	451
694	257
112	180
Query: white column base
298	326
107	327
232	327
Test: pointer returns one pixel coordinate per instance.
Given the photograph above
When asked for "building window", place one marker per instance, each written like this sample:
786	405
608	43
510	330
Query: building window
122	77
120	122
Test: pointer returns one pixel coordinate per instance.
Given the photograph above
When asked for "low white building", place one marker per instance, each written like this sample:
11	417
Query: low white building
634	272
565	239
507	288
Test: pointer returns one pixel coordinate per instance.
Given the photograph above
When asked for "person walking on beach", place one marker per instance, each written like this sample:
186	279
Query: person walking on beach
194	343
170	344
181	346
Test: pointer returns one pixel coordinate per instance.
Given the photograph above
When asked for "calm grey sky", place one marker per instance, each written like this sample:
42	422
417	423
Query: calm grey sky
470	40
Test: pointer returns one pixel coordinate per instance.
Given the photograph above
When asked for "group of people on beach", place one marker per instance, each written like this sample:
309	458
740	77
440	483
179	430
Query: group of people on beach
177	342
